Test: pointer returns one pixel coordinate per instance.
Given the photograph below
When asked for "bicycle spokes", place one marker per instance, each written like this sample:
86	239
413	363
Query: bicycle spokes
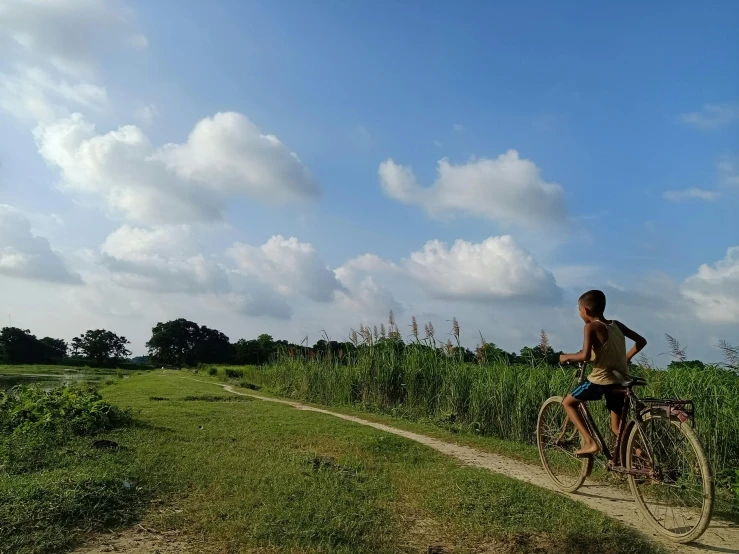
669	475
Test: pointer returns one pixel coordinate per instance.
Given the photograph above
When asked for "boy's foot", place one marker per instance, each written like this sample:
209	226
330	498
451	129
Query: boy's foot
587	450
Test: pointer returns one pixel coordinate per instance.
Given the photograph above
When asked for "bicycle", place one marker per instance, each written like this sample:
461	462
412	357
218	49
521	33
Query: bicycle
656	449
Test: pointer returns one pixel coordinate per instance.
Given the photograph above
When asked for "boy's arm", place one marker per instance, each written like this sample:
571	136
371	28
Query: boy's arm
639	341
584	354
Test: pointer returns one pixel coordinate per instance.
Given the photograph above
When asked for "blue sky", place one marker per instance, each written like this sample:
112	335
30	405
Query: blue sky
624	120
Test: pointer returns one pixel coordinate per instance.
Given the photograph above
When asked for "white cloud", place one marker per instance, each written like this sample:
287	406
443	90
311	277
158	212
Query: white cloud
689	194
230	153
290	266
506	189
225	157
146	114
162	259
714	289
31	92
24	255
713	116
364	264
73	35
495	269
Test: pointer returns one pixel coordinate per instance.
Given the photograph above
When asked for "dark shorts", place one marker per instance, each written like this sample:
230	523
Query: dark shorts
590	391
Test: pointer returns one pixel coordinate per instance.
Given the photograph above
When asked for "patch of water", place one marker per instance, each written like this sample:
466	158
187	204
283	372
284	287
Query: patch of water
48	381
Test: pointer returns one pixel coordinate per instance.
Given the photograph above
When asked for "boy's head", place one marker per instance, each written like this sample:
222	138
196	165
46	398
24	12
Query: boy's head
592	304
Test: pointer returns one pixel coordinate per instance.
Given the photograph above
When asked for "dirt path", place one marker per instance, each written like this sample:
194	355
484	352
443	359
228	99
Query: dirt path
720	537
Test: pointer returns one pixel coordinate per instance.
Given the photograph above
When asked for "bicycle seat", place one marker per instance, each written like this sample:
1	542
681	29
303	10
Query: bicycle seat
635	382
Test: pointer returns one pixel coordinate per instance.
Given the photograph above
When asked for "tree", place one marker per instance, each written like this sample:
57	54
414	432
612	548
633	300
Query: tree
174	343
101	346
19	346
56	348
213	347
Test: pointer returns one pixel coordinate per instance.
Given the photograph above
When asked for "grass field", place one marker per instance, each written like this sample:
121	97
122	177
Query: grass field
492	399
247	476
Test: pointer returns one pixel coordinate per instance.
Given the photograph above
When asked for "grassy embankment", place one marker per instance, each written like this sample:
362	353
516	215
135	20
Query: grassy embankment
234	475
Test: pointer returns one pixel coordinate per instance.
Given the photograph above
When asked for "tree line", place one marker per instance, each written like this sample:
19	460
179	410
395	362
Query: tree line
181	343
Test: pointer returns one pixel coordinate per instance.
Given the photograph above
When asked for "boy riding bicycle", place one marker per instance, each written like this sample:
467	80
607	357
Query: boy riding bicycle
604	344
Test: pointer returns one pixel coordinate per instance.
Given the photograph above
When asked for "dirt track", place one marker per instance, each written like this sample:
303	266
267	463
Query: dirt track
720	537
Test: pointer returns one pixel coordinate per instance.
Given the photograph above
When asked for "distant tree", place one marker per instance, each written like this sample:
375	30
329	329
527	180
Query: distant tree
56	348
101	346
19	346
174	343
690	364
213	347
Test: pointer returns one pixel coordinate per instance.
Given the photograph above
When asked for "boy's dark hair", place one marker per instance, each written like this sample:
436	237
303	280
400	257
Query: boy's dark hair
595	301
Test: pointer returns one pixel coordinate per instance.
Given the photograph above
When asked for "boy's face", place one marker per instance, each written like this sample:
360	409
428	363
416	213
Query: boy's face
584	313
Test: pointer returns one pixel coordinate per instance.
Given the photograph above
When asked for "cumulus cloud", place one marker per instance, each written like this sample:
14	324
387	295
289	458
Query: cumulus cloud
507	189
225	157
162	259
690	194
73	35
363	265
714	289
713	116
24	255
495	269
231	153
291	266
363	295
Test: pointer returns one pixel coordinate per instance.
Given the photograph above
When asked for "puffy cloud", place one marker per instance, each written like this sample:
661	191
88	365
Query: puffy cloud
689	194
364	264
495	269
225	157
166	259
713	116
72	35
289	265
714	289
27	256
33	93
231	153
506	189
162	259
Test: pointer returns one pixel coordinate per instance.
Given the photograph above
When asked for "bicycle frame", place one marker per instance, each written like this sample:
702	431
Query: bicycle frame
614	458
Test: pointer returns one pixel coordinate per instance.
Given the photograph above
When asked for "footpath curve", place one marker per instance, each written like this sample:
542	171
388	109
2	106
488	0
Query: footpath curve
721	536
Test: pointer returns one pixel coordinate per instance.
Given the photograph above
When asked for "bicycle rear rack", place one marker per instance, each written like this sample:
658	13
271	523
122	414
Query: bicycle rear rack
682	409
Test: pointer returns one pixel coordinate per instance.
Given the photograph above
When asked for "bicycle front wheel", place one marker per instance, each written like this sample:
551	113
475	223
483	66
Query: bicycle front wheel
674	489
557	440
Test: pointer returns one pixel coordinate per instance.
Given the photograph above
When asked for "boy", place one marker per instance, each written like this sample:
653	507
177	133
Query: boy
604	344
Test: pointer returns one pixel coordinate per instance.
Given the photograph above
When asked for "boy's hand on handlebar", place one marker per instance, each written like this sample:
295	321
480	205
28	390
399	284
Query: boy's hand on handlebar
563	359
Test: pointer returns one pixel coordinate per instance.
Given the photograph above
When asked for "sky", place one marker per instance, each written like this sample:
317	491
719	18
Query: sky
301	168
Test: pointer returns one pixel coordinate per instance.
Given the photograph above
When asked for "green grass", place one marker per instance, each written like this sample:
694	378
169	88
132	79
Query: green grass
491	399
248	476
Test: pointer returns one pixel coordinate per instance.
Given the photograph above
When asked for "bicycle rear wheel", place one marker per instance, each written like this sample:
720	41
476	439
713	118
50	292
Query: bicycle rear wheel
676	491
557	440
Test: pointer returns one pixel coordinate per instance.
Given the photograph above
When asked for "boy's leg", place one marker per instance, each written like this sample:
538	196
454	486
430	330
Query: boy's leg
589	446
615	403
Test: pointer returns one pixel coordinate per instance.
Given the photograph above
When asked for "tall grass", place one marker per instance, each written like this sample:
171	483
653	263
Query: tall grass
490	397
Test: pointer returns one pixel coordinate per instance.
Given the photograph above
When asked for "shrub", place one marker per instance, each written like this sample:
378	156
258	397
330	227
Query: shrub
71	409
213	371
233	373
